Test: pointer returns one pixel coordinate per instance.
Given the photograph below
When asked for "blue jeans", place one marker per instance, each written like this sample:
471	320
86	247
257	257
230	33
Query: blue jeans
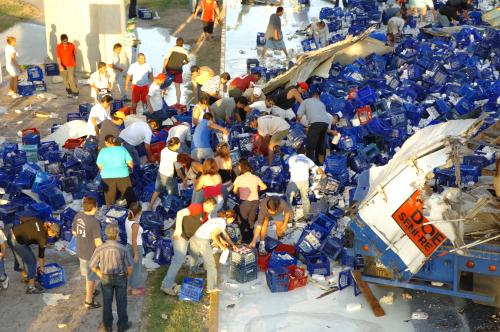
167	183
180	252
293	189
133	153
114	286
29	259
2	270
201	247
135	278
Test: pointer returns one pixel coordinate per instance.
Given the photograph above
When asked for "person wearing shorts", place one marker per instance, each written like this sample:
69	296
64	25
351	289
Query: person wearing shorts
274	35
271	129
173	61
12	67
87	230
210	11
140	73
165	180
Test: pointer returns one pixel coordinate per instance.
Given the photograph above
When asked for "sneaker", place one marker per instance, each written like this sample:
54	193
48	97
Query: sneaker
33	290
173	291
5	282
125	328
92	305
38	286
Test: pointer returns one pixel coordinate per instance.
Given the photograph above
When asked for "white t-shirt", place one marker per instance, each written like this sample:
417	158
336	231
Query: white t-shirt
128	229
155	97
140	73
99	81
210	226
98	112
181	131
9	64
299	166
168	158
137	133
395	25
119	60
270	125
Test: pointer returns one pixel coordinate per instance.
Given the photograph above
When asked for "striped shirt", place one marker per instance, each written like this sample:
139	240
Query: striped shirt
247	185
112	258
213	86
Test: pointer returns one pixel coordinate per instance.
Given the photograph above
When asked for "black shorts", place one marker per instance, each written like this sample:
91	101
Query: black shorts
208	27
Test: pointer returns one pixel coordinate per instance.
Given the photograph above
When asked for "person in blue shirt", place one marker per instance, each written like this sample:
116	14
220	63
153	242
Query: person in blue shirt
115	165
200	146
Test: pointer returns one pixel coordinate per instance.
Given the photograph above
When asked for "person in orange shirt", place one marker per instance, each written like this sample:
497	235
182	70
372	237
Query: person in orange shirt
66	58
210	10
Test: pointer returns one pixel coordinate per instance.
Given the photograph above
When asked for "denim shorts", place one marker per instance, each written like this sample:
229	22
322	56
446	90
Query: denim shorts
86	271
167	183
275	44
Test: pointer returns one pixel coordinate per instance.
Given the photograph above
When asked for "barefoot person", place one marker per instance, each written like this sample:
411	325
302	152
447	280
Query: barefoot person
274	35
12	67
210	11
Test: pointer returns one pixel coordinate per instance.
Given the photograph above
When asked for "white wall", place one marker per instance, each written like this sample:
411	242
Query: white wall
94	26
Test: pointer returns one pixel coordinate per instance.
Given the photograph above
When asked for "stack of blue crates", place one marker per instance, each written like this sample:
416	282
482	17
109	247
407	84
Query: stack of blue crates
243	265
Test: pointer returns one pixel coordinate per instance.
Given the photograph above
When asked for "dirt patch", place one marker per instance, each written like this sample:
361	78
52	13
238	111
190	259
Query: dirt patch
15	11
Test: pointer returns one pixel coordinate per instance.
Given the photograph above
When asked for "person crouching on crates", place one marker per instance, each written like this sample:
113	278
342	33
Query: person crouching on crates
32	231
272	210
214	230
187	222
113	264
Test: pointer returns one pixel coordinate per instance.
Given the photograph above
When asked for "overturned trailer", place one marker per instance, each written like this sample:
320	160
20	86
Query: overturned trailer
407	235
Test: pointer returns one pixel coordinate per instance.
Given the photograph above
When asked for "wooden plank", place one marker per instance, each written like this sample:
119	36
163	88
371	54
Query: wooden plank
378	311
213	313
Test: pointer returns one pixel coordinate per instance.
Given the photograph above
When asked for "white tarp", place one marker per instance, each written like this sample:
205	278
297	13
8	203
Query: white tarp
388	209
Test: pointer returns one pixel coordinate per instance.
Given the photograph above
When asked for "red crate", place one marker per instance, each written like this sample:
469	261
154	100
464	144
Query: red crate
298	277
30	130
73	143
285	248
263	262
364	114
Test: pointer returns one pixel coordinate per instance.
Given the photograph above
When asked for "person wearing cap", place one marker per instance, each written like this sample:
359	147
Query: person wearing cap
272	129
317	120
98	113
119	64
241	83
100	82
110	127
173	61
32	231
140	73
224	108
155	94
254	94
136	134
131	41
291	95
199	75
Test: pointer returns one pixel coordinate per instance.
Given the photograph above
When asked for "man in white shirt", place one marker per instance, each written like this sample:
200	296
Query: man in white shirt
140	73
119	64
395	27
98	113
136	134
183	132
272	129
173	61
299	167
100	82
155	94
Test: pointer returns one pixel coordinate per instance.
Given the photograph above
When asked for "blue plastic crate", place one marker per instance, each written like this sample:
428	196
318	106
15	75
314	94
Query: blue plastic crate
278	279
318	264
345	279
259	69
464	106
311	239
332	247
66	217
8	147
145	13
40	86
335	163
309	44
261	39
46	147
172	203
26	89
241	260
35	73
252	63
327	222
73	116
53	279
369	152
244	274
191	290
53	196
43	210
479	161
271	244
31	139
164	251
84	109
116	105
51	69
151	220
15	159
367	95
117	214
71	184
282	259
8	211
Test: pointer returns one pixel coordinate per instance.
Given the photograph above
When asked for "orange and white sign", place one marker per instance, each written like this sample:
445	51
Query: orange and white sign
409	216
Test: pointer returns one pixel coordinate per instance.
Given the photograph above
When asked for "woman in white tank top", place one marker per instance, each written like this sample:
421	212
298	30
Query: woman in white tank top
134	246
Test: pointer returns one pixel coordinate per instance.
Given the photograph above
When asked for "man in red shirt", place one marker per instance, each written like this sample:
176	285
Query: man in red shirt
241	83
66	58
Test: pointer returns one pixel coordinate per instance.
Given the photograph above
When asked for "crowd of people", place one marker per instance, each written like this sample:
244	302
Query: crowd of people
188	160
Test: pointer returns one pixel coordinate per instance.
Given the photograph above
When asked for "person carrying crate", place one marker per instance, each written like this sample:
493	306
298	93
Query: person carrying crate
31	231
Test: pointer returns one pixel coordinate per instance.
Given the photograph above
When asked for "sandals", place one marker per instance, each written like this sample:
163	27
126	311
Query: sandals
92	305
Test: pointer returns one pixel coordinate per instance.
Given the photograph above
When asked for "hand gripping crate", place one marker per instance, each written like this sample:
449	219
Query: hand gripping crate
191	290
278	279
52	277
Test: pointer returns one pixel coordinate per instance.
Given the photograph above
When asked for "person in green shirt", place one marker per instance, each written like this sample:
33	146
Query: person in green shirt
115	165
